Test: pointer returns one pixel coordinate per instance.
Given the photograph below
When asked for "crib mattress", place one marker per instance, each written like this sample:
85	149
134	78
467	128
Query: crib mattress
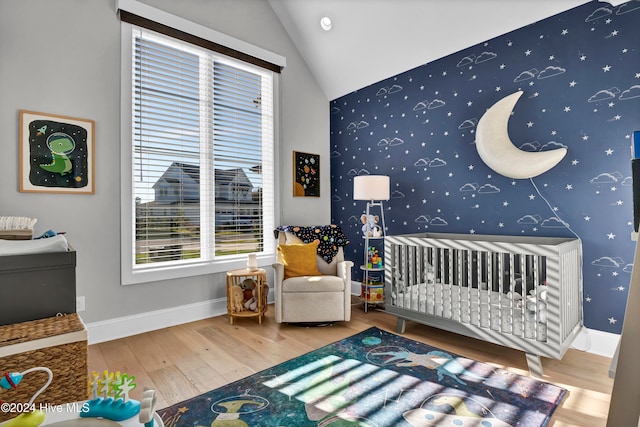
484	308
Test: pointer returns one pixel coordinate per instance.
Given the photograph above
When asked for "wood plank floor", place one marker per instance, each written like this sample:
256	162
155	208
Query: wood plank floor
186	360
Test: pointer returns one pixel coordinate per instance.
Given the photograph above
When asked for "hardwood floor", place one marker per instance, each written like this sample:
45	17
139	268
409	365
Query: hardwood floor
186	360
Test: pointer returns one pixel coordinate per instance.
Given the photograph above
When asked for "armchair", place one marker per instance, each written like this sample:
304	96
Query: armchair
312	298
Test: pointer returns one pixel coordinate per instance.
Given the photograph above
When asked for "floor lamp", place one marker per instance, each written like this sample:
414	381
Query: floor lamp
372	188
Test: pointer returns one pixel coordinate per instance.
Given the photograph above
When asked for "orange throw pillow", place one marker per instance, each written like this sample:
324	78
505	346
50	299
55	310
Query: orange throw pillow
299	260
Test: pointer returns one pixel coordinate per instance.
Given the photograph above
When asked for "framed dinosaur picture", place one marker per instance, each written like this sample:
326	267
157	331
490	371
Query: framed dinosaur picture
56	154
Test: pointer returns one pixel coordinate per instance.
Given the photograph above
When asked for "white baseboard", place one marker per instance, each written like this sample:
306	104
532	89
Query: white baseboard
121	327
589	340
355	288
596	342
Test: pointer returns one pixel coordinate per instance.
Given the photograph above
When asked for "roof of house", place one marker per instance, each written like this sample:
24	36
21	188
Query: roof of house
223	176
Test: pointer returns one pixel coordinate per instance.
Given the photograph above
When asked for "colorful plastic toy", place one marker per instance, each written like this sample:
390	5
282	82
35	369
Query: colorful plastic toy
110	397
374	260
27	419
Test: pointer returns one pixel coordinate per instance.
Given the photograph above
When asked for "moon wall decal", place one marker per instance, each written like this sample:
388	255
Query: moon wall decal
498	152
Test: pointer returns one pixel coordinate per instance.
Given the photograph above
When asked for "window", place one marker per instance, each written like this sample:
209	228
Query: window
200	154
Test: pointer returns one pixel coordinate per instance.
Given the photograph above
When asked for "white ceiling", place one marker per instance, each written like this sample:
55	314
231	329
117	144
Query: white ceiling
372	40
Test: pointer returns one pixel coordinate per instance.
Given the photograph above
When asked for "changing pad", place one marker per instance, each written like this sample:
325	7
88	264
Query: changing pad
23	247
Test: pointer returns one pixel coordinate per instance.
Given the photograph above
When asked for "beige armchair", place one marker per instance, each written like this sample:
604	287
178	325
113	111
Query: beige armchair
321	298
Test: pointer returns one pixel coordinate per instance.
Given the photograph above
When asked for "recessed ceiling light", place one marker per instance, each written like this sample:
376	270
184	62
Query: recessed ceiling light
325	23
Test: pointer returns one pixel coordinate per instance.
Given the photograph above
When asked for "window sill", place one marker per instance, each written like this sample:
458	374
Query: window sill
158	272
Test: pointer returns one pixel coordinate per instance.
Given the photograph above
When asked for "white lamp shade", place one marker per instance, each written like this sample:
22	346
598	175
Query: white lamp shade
371	187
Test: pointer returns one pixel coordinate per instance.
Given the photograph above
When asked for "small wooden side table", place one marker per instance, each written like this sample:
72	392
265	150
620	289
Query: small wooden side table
236	277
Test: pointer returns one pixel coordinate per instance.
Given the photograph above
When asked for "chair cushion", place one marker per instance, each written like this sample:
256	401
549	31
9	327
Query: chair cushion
323	266
299	260
313	284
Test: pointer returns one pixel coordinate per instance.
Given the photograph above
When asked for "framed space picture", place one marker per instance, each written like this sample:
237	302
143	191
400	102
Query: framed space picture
56	154
306	174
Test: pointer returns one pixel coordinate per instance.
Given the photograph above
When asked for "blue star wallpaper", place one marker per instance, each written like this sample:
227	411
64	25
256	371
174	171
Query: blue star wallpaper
579	72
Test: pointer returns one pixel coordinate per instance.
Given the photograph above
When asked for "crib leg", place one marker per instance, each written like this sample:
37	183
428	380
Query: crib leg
535	364
400	325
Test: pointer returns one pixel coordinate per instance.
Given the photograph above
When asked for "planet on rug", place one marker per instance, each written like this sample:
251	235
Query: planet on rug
374	379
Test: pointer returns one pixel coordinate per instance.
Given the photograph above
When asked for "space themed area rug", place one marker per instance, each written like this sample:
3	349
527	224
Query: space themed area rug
374	379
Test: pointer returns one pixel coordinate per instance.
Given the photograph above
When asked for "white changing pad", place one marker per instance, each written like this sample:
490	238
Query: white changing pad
23	247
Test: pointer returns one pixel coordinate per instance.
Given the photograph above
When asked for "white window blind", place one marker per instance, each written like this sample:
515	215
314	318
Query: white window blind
202	155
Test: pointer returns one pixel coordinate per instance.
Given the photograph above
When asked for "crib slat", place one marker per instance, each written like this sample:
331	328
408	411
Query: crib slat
536	284
514	293
523	278
448	286
406	285
411	267
460	279
500	281
469	283
435	253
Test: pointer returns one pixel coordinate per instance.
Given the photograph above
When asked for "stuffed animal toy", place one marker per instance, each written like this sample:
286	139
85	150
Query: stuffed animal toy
516	297
370	227
540	292
237	297
248	285
252	303
536	303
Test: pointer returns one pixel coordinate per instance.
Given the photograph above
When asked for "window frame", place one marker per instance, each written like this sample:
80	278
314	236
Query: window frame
132	273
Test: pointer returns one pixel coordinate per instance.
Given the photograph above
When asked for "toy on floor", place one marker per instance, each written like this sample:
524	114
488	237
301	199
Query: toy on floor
147	408
27	419
110	397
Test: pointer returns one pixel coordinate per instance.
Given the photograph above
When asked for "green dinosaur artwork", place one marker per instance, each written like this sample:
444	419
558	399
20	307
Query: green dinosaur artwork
59	154
61	145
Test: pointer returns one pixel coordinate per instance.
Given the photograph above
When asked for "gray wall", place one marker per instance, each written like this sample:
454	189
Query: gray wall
63	57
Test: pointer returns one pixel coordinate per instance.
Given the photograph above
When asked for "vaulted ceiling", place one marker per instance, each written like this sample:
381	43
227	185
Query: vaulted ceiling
371	40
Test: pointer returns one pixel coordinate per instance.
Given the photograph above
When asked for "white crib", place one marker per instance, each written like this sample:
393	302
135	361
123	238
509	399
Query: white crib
520	292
